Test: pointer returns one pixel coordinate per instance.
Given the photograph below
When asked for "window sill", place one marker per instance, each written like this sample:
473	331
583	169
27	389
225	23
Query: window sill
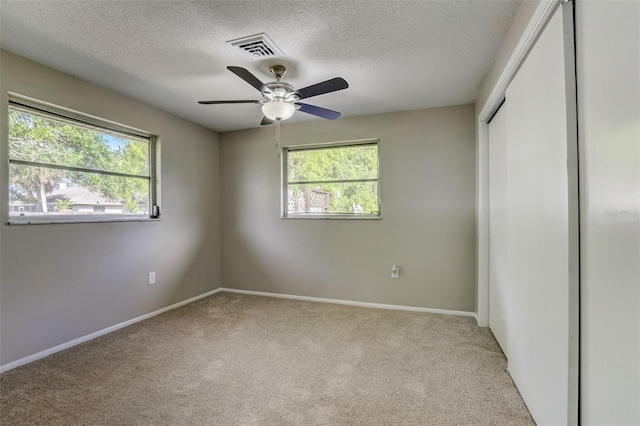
51	220
333	217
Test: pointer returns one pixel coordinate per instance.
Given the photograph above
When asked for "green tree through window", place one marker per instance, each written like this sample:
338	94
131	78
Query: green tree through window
47	153
333	180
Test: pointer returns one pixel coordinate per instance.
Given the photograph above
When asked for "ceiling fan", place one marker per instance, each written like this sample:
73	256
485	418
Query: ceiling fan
280	100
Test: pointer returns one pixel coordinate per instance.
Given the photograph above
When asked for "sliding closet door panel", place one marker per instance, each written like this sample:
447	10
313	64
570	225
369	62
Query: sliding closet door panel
498	251
608	60
537	228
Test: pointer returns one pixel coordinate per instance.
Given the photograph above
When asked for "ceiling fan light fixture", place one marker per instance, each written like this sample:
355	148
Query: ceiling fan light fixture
278	110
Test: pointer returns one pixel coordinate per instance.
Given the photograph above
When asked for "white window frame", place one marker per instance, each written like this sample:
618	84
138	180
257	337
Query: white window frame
327	145
58	113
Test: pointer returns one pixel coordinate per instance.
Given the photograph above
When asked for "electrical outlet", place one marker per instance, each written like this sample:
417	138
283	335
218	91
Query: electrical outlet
395	271
152	277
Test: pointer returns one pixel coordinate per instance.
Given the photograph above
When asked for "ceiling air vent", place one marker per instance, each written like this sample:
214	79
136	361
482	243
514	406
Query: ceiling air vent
257	46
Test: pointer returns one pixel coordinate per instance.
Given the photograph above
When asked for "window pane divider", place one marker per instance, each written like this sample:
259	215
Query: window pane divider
76	169
312	182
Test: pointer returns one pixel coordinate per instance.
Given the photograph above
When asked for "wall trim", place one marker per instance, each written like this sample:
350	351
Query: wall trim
83	339
74	342
536	25
351	303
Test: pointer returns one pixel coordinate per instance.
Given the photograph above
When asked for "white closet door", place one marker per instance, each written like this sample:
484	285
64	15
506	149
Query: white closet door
537	233
498	252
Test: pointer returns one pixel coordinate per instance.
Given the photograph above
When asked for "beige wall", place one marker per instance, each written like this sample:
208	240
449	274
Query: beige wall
428	228
62	282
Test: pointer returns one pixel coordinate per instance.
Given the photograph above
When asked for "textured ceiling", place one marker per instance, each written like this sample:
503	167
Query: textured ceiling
396	55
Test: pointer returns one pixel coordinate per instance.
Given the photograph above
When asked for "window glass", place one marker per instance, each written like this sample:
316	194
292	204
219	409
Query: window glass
61	166
334	180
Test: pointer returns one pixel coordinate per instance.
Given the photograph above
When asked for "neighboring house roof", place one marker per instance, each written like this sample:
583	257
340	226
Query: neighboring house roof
80	195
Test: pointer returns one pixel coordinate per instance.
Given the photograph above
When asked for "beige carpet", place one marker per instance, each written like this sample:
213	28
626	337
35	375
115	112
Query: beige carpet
233	359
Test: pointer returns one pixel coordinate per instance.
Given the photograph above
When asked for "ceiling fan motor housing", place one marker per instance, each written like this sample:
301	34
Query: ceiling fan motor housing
281	91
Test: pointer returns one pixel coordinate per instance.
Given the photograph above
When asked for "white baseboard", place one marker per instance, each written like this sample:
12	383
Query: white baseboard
99	333
352	303
74	342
